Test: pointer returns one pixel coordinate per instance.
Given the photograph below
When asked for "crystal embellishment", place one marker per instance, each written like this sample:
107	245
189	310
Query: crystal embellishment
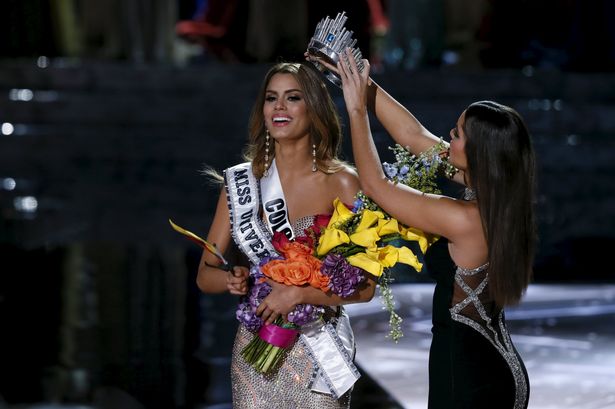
329	41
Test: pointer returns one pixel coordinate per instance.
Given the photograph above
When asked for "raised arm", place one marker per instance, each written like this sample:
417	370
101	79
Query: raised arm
432	213
403	127
400	123
215	280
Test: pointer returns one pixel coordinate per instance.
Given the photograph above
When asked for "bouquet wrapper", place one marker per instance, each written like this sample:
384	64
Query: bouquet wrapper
278	336
267	348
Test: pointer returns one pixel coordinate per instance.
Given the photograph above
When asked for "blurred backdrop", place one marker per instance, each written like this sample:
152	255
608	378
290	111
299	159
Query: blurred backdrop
109	109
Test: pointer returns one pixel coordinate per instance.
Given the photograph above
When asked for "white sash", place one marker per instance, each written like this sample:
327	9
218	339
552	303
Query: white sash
244	204
274	203
332	352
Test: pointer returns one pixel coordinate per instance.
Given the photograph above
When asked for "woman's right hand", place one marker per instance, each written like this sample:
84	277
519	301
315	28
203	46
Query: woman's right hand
354	82
237	280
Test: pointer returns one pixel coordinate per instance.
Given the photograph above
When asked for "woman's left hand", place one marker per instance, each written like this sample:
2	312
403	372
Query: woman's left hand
237	280
281	300
354	83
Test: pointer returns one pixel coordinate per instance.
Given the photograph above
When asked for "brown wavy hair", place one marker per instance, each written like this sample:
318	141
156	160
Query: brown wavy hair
500	160
325	129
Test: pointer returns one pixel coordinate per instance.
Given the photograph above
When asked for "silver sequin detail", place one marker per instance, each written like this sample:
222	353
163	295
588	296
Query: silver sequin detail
302	223
469	194
497	334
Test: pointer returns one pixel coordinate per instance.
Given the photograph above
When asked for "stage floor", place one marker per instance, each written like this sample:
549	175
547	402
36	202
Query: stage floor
565	334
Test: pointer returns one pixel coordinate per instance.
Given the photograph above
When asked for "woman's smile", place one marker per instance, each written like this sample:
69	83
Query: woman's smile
284	109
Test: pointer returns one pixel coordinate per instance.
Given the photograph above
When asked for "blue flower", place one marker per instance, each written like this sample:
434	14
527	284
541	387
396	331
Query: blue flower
357	205
390	170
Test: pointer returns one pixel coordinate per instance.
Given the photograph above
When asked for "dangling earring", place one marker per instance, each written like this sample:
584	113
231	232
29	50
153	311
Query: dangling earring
266	153
314	168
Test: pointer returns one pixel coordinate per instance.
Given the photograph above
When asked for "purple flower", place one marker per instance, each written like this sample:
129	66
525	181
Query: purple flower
344	278
258	292
246	310
256	273
305	313
246	315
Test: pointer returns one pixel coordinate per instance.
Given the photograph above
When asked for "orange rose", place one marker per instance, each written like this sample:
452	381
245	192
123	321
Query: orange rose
290	272
293	250
320	281
297	269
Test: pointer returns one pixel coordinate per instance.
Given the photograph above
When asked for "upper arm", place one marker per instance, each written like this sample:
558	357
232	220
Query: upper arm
400	123
431	213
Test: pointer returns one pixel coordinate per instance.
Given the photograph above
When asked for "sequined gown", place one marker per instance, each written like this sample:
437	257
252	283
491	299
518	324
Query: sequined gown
288	387
473	363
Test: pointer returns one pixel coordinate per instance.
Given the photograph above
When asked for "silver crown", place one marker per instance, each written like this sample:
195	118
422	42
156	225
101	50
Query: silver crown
329	41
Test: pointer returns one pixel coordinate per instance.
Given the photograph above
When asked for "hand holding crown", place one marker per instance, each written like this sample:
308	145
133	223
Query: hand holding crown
328	46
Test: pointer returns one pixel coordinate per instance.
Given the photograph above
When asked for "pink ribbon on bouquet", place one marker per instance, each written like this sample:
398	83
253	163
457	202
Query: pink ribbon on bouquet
278	336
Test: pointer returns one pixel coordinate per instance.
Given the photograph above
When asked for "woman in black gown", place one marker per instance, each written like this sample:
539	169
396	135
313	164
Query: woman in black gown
483	260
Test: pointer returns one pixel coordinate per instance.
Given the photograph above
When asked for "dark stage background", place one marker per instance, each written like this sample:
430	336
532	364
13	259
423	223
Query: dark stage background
109	110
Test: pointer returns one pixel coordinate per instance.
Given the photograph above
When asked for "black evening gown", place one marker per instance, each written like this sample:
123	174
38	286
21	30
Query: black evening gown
472	362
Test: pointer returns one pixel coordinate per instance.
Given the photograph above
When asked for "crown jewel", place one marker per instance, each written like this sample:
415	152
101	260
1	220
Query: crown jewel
329	41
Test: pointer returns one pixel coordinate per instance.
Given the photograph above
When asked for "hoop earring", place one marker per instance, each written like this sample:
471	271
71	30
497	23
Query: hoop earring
266	172
314	168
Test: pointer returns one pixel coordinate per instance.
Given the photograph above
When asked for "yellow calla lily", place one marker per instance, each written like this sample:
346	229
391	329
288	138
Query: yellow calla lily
406	256
425	240
375	260
340	213
367	263
385	227
387	255
330	239
366	238
368	218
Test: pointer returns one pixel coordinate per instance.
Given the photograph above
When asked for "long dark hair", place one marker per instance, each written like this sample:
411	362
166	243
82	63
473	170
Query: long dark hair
325	129
500	160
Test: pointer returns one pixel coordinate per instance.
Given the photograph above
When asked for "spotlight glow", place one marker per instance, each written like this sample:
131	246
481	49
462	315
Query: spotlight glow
7	128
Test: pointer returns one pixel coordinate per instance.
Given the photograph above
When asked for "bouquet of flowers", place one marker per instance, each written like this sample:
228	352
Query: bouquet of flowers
335	254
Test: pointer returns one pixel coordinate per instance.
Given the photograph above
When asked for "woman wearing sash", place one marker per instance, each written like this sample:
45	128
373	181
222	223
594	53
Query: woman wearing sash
292	175
483	260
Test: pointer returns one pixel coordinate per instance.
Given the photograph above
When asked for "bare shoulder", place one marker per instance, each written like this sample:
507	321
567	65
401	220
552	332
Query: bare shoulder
464	220
468	245
345	178
344	183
